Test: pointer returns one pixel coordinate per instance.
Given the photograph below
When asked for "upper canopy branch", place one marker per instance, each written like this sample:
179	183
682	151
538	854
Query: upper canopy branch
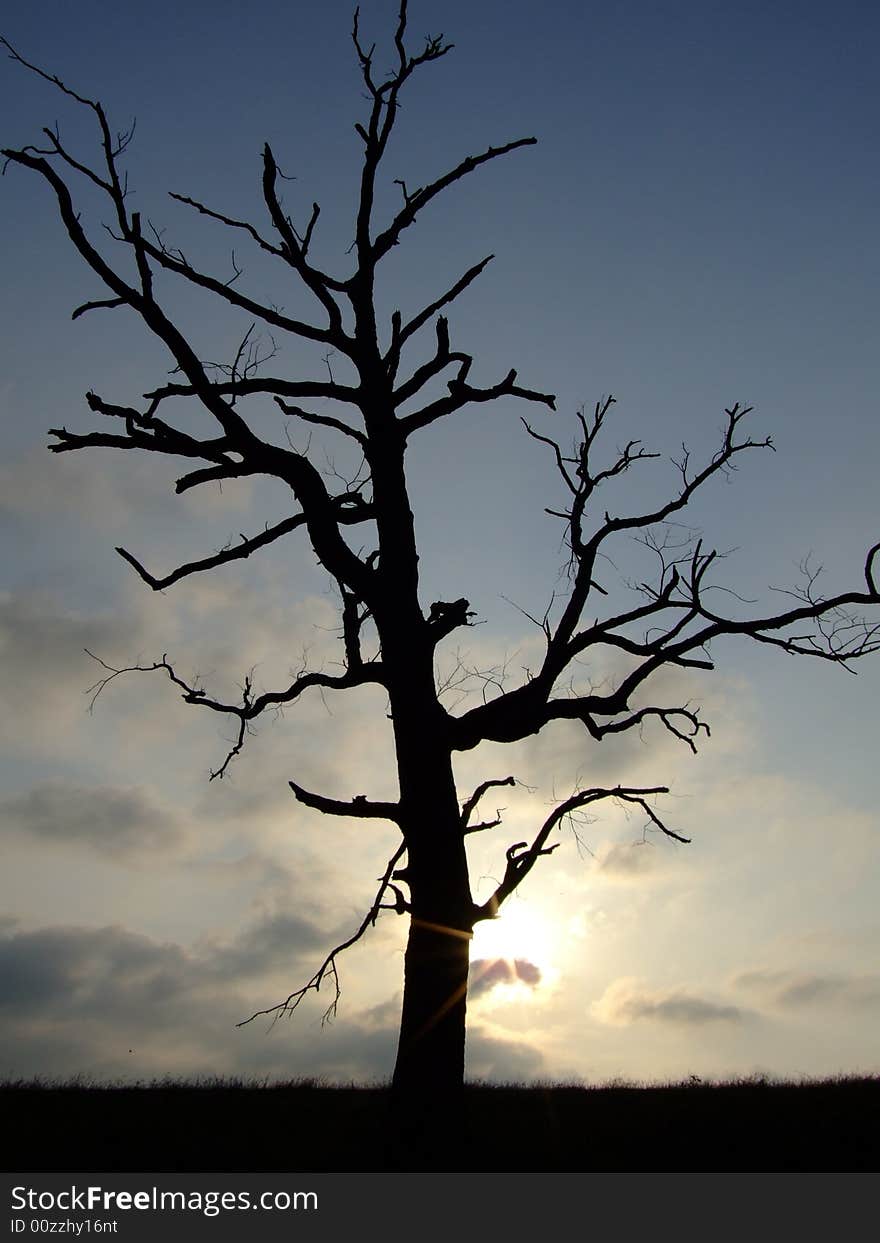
434	48
176	262
400	332
141	300
461	394
383	112
721	461
385	95
111	147
442	358
682	624
143	248
583	480
420	198
232	223
295	248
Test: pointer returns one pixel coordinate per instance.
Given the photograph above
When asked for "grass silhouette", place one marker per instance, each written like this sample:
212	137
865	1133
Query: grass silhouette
235	1125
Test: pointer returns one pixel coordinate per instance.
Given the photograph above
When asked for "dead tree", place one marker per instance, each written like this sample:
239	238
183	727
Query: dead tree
673	622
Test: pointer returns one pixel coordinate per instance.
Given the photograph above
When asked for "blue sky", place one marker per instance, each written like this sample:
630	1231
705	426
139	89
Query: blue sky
696	226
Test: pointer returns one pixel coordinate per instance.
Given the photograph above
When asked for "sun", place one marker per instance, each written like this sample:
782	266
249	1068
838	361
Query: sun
520	932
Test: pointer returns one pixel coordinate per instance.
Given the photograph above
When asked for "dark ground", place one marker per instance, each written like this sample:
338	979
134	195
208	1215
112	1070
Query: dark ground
750	1126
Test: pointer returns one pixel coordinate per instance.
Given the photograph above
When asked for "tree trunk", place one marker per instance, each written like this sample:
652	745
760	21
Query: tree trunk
427	1125
429	1072
430	1051
427	1087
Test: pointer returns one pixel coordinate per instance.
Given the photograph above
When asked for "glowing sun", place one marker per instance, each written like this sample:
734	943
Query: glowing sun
521	938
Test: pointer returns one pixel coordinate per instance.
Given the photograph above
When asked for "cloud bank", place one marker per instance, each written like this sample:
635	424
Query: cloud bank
625	1001
107	1003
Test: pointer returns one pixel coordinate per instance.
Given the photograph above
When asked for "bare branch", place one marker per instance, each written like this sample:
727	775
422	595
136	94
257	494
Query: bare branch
213	474
687	734
181	267
557	451
93	306
328	968
685	624
469	806
869	570
228	220
190	693
323	513
521	856
47	77
294	251
403	333
360	807
347	513
363	674
442	359
461	394
404	218
322	420
484	825
719	463
243	386
68	441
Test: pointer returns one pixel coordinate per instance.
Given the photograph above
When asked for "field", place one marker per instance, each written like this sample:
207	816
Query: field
218	1126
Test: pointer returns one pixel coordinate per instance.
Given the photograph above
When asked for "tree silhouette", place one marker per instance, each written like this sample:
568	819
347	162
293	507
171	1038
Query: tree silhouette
389	637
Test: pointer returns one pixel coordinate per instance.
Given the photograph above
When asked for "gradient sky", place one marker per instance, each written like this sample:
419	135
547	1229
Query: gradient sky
696	226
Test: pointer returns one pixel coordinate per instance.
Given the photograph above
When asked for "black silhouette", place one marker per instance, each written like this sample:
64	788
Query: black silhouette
671	625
